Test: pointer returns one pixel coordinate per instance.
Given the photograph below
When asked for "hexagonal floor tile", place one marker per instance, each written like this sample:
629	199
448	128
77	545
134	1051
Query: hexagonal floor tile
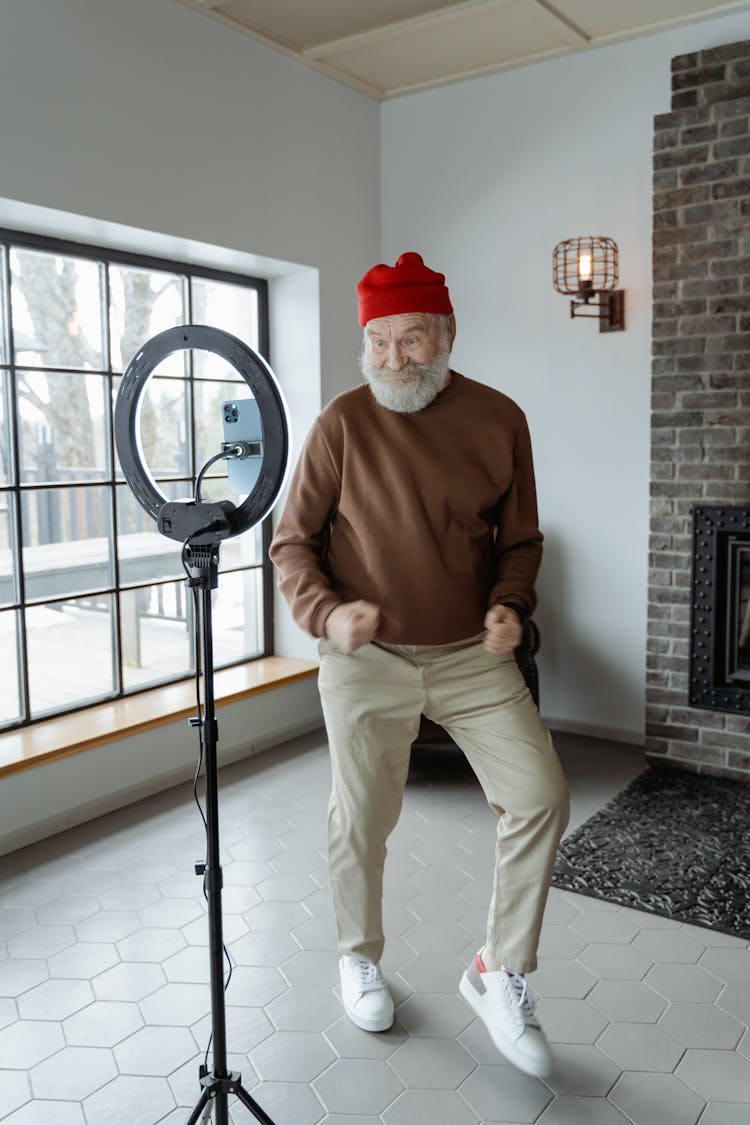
15	921
176	1004
716	1075
102	1024
84	960
436	906
722	1113
349	1041
581	1071
282	1101
570	1021
582	1111
641	1046
702	1025
432	1064
560	941
147	1099
266	947
730	965
246	1028
522	1098
73	1073
435	1016
312	967
615	962
317	933
358	1086
305	1009
657	1097
128	981
26	1042
14	1092
436	938
151	944
41	941
256	985
684	982
68	910
438	1107
562	978
155	1051
40	1112
671	946
291	1056
627	1001
55	999
108	925
19	975
609	927
433	973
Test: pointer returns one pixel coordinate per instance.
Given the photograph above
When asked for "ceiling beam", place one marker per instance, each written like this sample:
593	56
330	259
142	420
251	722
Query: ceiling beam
569	30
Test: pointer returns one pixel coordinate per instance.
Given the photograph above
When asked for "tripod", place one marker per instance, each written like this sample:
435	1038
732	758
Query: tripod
202	566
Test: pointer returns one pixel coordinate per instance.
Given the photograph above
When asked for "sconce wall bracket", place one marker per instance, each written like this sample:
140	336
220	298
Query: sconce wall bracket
610	306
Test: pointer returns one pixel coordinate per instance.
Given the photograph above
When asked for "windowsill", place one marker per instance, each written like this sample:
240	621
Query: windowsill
64	735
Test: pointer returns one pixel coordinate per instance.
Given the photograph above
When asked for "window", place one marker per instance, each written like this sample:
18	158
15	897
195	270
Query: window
92	599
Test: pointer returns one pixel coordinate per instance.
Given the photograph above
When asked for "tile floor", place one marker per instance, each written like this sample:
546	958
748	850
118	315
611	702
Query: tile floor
104	1003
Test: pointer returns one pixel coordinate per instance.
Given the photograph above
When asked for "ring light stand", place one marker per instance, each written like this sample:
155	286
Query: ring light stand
201	526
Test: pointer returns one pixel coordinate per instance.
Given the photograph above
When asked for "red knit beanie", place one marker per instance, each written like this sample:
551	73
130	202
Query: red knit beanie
409	286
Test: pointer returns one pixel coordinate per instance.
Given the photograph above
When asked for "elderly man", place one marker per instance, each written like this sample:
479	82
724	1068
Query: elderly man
409	545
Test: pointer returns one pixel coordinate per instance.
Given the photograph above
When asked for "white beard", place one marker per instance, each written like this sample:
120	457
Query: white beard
412	388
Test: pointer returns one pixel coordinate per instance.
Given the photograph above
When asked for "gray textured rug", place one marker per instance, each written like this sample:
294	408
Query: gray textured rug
672	843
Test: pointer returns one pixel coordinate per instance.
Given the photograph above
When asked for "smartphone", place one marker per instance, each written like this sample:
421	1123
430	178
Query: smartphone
242	426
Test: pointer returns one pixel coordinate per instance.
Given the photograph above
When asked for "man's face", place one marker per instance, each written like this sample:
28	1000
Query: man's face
395	341
405	359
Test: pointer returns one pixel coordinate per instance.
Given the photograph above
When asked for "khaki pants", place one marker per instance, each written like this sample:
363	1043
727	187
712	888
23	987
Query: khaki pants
372	701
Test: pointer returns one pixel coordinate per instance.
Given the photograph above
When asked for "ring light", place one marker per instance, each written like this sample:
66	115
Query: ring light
203	522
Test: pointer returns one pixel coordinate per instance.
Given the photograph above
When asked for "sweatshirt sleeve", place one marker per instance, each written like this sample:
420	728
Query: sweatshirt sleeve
518	545
299	542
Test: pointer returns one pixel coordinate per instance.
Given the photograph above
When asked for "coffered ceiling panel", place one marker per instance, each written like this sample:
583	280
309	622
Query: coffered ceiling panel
392	47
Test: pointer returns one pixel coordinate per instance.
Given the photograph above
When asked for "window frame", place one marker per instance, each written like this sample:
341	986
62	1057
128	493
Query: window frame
14	488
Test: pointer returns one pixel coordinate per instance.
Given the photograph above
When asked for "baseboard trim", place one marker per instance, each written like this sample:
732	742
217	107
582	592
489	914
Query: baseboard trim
593	730
91	810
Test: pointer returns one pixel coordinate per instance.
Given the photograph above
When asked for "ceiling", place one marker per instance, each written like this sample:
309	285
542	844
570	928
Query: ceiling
391	47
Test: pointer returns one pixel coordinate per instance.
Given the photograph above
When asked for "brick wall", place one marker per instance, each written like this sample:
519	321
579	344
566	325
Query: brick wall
700	422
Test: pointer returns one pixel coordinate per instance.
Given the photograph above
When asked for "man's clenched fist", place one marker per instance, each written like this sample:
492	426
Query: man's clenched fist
504	630
353	624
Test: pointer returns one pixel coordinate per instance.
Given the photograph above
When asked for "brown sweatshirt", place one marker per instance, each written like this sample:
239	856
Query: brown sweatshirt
431	516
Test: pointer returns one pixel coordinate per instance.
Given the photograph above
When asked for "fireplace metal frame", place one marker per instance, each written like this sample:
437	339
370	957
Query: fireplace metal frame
712	528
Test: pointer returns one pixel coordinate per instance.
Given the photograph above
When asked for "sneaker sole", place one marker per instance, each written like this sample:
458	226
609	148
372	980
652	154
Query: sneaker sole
504	1046
383	1024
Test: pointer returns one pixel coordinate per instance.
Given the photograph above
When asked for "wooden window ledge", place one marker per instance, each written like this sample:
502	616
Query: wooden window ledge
59	737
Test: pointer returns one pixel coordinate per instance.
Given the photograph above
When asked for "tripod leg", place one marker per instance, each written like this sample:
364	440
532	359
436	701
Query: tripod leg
198	1108
249	1103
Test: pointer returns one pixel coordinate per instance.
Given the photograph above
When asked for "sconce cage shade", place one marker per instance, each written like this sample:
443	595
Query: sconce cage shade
566	271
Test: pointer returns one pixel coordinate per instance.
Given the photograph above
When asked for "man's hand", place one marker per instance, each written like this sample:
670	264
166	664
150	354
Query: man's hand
504	629
351	625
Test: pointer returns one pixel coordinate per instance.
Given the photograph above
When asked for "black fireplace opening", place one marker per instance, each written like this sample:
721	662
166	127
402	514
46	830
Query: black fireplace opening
720	622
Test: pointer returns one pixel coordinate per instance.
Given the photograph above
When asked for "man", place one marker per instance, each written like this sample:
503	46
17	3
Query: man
409	545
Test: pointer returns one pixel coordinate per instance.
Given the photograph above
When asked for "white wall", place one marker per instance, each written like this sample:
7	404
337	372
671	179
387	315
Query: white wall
139	123
144	125
484	178
147	114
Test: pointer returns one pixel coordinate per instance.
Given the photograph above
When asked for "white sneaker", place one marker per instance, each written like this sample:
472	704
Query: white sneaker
504	1004
367	1001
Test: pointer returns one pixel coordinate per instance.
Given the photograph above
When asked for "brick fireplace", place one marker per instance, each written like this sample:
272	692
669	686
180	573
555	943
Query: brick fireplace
700	422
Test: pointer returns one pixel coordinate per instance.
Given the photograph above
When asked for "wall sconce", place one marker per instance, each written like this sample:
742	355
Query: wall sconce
587	268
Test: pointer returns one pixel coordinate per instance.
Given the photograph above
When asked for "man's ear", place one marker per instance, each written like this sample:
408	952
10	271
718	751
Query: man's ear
452	327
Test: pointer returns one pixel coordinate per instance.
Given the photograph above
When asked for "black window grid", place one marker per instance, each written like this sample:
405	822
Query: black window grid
14	490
